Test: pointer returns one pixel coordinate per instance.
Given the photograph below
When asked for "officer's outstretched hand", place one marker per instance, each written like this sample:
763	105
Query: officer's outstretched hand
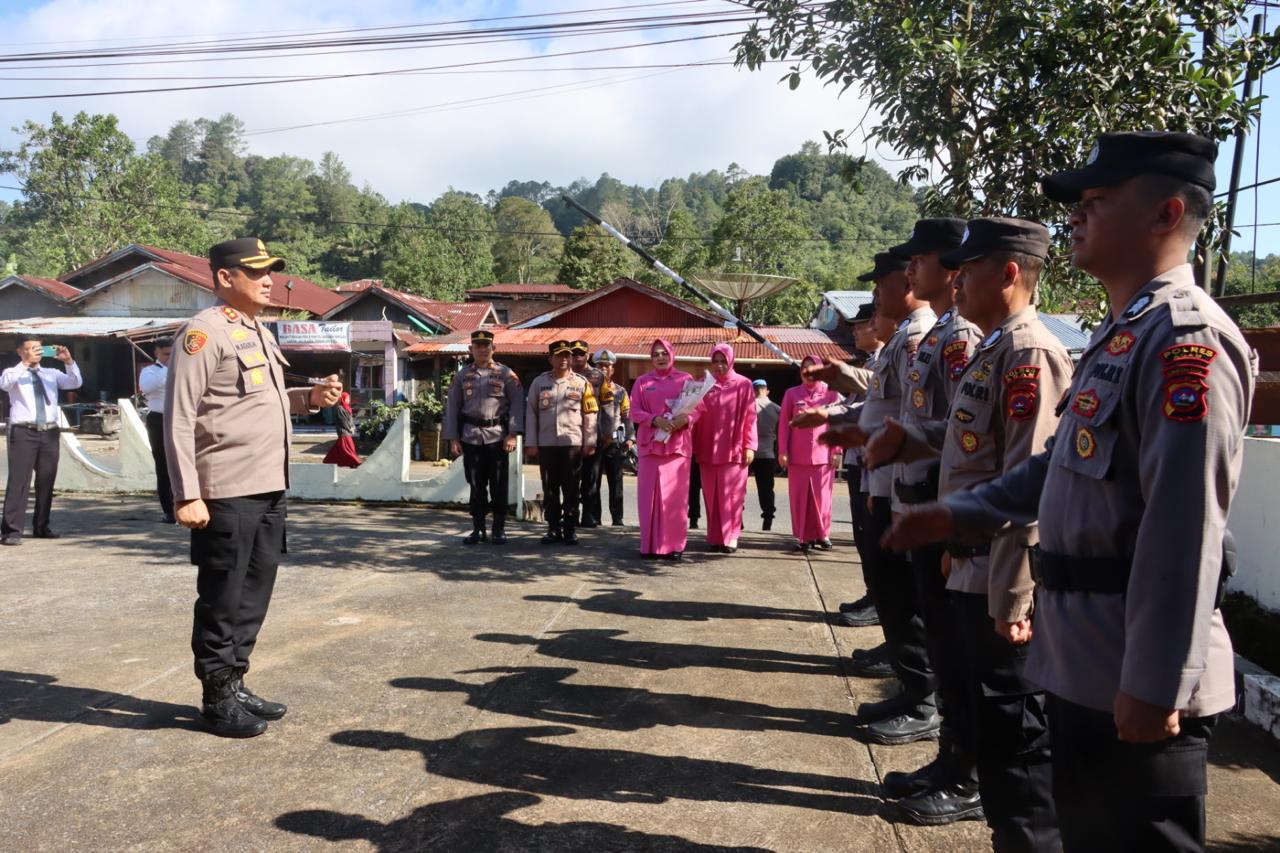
845	436
885	444
810	418
1141	722
919	525
323	396
193	515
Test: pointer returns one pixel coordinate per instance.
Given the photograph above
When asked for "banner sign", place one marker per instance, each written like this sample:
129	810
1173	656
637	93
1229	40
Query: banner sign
313	336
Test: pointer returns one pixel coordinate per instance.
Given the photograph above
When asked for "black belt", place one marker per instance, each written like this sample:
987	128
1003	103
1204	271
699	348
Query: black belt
483	422
1061	573
916	493
36	427
968	552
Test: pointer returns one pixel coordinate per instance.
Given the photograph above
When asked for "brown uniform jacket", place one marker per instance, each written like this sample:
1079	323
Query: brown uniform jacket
560	412
1143	467
1002	413
478	396
227	427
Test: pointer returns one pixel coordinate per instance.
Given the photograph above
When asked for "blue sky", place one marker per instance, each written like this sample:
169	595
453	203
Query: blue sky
639	125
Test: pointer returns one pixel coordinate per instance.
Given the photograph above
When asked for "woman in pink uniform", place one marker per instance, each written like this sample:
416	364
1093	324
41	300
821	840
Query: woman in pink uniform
662	469
810	473
724	443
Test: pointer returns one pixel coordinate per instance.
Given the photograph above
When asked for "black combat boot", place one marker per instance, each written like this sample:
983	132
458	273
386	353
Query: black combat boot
552	536
255	704
499	536
570	535
223	711
768	523
477	534
918	723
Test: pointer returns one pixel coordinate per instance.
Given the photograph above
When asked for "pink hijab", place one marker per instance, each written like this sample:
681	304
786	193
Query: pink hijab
671	361
727	351
813	390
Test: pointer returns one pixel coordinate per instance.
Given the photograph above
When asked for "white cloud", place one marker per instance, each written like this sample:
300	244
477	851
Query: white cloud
639	131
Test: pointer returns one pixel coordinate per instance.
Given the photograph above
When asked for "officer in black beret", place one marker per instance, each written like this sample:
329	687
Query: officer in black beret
1132	499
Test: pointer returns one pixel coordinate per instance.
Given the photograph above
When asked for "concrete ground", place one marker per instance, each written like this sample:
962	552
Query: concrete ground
451	698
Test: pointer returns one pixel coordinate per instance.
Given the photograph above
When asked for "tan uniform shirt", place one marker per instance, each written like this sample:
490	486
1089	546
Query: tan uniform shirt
931	382
560	412
227	427
1002	413
482	395
615	411
1143	466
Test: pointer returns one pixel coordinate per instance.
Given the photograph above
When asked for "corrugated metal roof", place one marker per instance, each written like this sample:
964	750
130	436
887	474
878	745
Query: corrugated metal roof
634	342
87	327
47	286
1067	329
847	302
534	289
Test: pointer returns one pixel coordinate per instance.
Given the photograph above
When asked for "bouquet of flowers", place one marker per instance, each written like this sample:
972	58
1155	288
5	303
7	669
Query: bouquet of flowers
690	396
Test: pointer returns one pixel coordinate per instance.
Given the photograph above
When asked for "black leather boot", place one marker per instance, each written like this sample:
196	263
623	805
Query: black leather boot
871	712
222	710
552	536
869	667
499	536
477	534
255	704
897	784
570	536
943	804
919	723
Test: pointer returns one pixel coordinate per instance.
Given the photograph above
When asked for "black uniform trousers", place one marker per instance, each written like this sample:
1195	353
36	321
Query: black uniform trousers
486	468
895	600
608	466
29	450
862	539
561	470
236	556
764	471
1117	796
155	432
589	488
695	491
1015	777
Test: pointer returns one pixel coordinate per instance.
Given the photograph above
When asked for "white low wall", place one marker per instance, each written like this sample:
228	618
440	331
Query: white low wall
1255	523
384	476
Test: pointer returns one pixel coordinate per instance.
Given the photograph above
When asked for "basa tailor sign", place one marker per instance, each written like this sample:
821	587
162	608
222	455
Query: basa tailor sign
309	336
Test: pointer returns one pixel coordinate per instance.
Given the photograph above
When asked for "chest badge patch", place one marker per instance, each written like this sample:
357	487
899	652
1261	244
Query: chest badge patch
239	334
969	442
1086	444
194	341
914	376
1121	343
1085	403
932	342
917	398
255	376
964	416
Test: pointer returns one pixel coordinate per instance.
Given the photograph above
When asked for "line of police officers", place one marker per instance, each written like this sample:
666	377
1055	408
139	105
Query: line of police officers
1066	530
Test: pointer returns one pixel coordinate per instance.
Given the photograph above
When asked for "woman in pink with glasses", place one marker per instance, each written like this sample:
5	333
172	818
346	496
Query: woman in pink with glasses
810	465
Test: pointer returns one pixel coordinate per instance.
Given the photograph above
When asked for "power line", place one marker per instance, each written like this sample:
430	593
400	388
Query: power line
1250	186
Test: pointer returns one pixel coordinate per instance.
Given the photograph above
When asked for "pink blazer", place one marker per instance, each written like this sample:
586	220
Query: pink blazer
801	444
726	423
650	398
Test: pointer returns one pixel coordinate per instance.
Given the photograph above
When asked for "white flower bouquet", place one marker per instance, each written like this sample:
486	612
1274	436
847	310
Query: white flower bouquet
690	396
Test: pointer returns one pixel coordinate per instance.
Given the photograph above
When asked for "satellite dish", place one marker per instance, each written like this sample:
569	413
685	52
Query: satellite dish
744	287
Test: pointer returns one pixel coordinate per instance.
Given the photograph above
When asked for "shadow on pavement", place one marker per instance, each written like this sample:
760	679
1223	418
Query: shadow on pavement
480	823
33	696
601	645
519	758
541	693
628	602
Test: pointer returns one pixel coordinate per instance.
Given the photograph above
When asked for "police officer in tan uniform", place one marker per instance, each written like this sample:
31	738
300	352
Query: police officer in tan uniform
227	433
1132	498
1001	415
616	434
483	415
589	484
560	430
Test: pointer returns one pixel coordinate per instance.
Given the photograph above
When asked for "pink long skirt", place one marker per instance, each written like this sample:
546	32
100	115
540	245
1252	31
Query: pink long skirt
724	489
809	487
662	496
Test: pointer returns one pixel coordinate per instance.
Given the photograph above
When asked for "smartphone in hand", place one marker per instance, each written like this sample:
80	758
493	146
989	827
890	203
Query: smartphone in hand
49	352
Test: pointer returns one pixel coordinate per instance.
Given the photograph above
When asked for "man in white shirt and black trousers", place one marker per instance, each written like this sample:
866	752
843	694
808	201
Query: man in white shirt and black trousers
33	436
151	385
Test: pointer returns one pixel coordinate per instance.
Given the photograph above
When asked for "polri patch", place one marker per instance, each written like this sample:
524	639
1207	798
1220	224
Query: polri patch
194	341
1022	401
1086	444
1121	343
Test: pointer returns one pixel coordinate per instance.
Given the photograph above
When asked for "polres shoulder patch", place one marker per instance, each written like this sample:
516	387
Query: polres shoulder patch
194	341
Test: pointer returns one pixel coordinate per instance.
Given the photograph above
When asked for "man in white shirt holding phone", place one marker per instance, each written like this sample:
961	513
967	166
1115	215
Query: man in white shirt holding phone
33	435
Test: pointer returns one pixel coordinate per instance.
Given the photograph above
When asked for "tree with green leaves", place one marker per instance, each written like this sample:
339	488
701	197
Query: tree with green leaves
467	226
416	258
527	247
592	259
986	96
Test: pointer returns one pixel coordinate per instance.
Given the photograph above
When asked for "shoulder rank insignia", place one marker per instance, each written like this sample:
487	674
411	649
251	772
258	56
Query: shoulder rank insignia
195	341
991	339
957	356
1121	343
946	317
1086	444
230	313
1186	371
969	442
1139	305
